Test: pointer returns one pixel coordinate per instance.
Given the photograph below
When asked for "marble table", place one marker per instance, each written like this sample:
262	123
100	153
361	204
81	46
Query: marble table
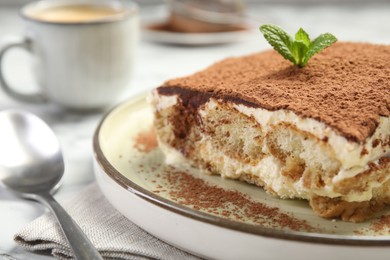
154	64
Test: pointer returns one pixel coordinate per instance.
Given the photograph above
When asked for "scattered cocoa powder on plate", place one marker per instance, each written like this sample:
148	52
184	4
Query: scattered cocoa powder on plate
200	195
146	141
382	224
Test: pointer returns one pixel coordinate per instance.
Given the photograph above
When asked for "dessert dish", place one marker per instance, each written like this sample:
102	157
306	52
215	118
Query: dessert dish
187	26
319	133
205	16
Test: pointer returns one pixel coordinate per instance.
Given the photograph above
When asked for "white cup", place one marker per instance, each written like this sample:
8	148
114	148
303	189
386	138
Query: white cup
78	65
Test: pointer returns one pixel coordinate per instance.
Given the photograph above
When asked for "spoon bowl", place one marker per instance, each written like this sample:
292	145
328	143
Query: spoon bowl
30	155
32	166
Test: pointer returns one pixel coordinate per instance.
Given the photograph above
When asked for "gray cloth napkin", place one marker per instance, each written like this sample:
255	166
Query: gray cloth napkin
113	235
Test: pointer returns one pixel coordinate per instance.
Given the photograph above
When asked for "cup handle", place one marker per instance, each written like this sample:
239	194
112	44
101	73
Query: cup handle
5	45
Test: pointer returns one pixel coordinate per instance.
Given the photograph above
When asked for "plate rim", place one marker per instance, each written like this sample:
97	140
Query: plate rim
148	196
196	39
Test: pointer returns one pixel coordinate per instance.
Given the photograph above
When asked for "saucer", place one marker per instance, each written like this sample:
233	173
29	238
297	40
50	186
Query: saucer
153	29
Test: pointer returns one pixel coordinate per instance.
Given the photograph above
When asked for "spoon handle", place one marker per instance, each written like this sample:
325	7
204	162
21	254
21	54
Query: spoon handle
80	244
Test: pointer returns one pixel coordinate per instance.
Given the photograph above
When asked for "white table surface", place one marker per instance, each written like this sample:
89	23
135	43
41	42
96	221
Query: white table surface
154	64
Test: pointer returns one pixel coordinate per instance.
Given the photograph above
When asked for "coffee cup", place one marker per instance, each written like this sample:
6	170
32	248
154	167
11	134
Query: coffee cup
82	51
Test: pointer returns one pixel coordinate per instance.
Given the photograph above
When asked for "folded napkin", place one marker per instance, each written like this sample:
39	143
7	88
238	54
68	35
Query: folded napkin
114	236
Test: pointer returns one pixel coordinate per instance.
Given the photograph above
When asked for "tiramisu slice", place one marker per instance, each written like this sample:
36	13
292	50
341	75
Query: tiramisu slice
320	133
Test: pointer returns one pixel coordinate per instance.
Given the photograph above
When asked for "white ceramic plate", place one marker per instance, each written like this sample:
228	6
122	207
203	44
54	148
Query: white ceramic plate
197	39
158	15
131	173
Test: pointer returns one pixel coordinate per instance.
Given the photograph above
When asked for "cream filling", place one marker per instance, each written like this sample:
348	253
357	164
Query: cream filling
347	152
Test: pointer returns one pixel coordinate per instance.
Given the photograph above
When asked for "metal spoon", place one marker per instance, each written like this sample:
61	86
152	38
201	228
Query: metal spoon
31	165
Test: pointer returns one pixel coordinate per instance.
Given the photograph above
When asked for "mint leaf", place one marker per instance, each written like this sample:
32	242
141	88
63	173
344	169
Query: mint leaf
303	37
279	39
298	50
321	42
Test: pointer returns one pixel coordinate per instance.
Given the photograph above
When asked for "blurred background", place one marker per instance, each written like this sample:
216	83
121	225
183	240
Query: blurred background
163	55
146	2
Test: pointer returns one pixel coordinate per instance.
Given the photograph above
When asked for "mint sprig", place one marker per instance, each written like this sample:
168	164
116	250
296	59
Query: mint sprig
298	50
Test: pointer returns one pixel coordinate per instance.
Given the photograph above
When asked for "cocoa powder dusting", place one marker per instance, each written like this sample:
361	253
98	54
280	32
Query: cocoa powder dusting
197	193
146	141
347	86
382	224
